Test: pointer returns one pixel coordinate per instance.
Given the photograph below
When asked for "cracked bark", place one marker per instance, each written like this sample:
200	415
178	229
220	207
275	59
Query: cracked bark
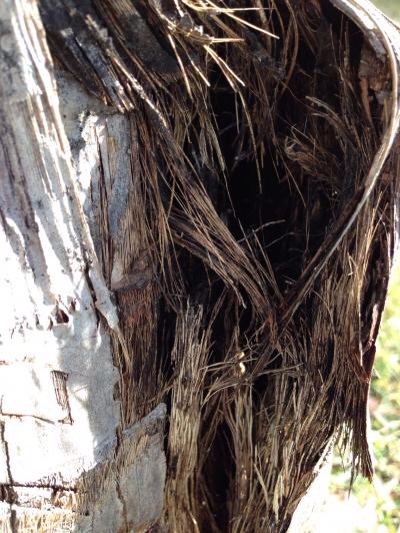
60	465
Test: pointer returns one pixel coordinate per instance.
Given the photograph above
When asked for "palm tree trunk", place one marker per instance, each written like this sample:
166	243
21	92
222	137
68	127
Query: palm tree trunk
198	214
67	460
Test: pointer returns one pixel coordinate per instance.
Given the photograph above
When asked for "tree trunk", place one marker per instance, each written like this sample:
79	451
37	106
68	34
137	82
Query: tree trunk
67	459
198	217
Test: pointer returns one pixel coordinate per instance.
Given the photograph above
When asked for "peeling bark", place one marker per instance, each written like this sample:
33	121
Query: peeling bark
68	462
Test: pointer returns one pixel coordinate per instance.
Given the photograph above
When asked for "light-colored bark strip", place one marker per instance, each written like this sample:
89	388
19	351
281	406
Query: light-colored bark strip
121	492
59	456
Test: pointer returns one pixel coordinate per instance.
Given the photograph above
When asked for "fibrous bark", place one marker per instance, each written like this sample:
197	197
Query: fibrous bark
222	184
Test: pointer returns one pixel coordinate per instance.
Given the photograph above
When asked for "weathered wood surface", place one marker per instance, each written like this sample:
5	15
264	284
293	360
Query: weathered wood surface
66	461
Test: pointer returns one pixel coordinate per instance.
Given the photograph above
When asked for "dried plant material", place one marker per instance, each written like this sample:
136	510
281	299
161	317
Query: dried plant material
251	249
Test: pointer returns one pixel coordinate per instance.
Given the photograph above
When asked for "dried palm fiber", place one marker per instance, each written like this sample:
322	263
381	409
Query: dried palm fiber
251	259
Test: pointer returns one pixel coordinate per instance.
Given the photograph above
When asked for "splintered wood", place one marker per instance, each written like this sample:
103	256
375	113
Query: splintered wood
199	210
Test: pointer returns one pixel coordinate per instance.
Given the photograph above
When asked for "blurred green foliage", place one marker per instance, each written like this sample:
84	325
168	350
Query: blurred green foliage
385	425
385	408
390	7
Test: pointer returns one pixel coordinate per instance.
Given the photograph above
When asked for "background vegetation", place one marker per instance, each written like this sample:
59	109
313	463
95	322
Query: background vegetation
376	508
390	7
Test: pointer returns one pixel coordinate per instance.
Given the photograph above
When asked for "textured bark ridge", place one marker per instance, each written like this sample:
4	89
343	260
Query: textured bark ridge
68	461
199	213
